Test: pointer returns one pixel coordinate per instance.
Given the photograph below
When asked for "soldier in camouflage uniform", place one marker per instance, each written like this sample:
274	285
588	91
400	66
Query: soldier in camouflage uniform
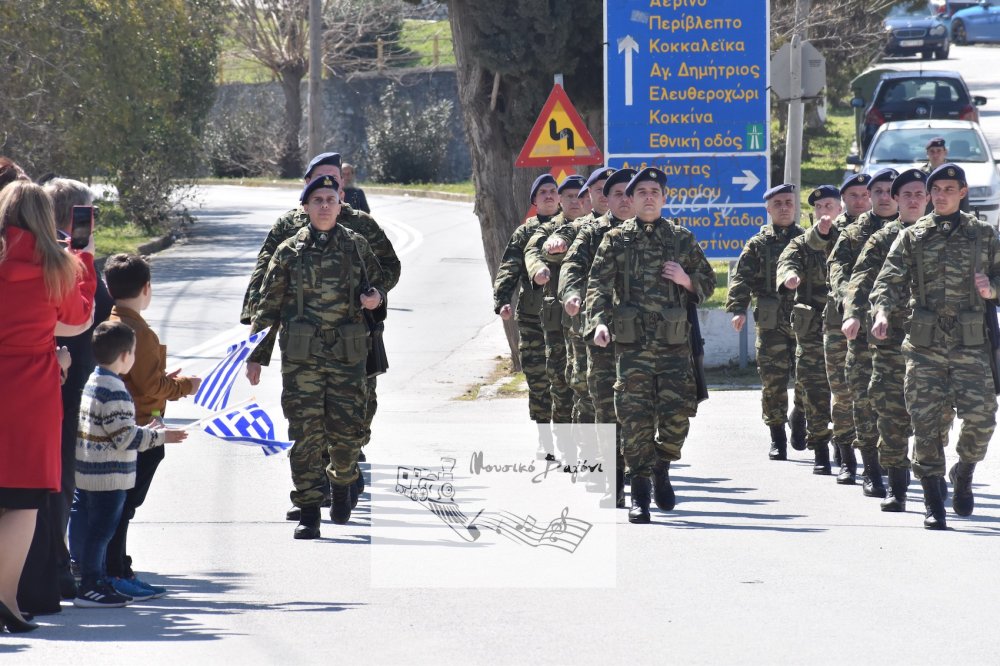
888	364
859	358
823	236
573	291
313	294
644	273
803	270
511	275
946	268
755	276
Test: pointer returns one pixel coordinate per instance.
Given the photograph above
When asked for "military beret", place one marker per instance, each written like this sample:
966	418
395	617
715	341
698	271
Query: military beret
332	159
649	173
936	142
573	182
598	174
322	182
620	176
858	179
823	192
784	188
947	171
883	176
907	177
544	179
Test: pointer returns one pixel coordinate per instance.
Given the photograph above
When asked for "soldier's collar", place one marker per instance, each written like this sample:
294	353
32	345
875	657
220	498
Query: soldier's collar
948	223
320	238
648	227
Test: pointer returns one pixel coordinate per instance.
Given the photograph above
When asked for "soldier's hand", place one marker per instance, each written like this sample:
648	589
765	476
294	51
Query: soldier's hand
739	321
555	246
542	277
676	273
825	222
572	306
506	312
984	286
793	282
253	373
851	327
602	336
371	299
880	329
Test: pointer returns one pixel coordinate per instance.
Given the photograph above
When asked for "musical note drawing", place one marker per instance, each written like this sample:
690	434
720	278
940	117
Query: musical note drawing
565	533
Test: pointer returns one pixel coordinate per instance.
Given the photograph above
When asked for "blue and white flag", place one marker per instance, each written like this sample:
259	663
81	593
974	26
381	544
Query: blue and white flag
248	424
214	391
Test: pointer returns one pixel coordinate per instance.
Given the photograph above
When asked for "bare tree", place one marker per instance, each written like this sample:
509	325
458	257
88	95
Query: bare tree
352	30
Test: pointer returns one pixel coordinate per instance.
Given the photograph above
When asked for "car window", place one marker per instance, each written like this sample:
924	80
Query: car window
907	145
947	91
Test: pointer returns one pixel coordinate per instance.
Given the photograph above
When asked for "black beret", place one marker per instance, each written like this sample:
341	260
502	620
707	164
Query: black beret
649	173
907	177
784	188
598	174
947	171
620	176
858	179
573	182
936	142
544	179
321	182
886	175
823	192
332	159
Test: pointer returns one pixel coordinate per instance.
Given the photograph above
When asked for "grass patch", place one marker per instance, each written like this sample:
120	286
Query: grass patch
828	149
463	187
419	36
717	300
113	233
504	368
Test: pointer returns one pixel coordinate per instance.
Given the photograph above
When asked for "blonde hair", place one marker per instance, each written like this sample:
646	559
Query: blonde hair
27	206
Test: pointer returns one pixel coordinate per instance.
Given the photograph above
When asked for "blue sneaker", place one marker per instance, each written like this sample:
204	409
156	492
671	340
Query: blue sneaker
130	589
154	590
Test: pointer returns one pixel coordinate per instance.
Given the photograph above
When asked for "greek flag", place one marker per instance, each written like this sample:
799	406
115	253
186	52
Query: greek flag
213	394
248	424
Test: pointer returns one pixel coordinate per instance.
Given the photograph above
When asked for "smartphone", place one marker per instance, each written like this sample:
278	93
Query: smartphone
83	227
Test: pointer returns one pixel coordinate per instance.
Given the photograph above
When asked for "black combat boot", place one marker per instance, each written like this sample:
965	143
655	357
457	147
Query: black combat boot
899	479
294	512
821	459
344	498
663	492
962	501
933	503
848	465
360	482
641	487
797	421
871	475
309	521
620	486
779	443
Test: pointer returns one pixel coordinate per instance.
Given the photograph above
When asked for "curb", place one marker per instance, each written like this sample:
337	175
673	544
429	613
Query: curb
423	194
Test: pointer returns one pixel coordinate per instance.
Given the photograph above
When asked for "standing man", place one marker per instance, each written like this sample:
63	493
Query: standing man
315	286
755	276
354	196
946	267
644	273
937	154
802	270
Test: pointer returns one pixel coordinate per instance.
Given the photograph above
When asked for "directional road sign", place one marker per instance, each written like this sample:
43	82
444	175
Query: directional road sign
559	136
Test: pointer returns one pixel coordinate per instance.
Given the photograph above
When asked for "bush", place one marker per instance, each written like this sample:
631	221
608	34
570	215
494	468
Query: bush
242	145
407	145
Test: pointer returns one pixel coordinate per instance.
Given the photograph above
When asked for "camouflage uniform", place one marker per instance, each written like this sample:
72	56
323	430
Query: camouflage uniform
947	369
755	276
323	398
511	275
655	393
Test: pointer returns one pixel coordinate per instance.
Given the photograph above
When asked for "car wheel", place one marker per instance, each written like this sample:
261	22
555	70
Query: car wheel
958	33
942	53
926	55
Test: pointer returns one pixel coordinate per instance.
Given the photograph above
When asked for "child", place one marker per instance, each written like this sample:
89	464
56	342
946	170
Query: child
128	280
108	443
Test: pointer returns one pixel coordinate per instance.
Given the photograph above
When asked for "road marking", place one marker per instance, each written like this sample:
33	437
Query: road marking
408	238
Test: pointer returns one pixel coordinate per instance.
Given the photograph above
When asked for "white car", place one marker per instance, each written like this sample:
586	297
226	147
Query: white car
902	145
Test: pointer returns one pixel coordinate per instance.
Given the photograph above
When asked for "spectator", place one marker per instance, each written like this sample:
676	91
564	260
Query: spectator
9	172
353	196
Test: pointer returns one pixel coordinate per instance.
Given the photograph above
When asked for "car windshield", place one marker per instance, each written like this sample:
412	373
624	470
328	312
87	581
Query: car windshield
934	90
906	146
920	9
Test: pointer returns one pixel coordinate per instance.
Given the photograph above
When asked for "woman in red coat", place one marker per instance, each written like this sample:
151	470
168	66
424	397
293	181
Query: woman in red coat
40	284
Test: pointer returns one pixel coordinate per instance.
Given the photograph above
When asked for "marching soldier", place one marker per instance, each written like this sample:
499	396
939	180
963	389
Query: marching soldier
937	154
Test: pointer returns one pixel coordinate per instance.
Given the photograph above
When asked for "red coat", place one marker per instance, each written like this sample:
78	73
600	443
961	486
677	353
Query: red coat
30	399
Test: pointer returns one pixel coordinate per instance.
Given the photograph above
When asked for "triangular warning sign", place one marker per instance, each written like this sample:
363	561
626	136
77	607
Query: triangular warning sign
559	136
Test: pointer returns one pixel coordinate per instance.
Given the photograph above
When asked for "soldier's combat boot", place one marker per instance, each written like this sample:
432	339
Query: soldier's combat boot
340	508
934	518
360	482
620	486
821	458
848	465
641	487
779	443
899	479
546	447
962	500
871	475
309	522
797	421
294	513
663	492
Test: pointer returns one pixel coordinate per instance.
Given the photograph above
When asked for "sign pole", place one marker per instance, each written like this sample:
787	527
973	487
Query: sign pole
796	109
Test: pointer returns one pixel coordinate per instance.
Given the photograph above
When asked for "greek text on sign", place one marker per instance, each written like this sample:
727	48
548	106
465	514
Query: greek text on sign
559	136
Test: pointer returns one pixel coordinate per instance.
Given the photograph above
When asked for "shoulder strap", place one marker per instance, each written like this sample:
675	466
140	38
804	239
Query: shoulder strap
918	254
299	298
975	301
627	246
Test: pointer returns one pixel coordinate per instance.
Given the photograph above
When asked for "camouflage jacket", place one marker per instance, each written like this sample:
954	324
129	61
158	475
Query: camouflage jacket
866	269
818	241
569	230
810	266
535	258
756	271
845	252
512	273
580	256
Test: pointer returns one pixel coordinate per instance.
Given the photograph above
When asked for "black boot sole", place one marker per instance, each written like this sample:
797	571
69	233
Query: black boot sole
306	532
639	519
822	471
893	505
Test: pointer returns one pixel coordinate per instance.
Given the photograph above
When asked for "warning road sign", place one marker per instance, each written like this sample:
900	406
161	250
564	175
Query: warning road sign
559	136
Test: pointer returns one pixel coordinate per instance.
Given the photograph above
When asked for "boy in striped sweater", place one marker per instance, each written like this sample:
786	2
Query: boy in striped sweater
108	442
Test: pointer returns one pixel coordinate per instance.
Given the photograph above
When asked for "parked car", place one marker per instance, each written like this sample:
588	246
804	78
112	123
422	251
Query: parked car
946	8
916	31
913	95
979	23
902	145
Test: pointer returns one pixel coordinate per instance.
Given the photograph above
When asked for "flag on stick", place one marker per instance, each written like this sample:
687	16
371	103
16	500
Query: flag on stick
214	391
248	424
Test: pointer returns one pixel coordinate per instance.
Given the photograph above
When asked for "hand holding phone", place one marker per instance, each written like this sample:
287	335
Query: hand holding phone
83	227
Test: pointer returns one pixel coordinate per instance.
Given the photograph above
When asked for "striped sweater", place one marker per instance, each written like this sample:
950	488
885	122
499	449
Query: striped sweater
108	439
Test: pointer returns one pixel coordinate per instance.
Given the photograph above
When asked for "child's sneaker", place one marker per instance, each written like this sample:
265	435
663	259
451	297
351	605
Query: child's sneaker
155	590
129	588
101	595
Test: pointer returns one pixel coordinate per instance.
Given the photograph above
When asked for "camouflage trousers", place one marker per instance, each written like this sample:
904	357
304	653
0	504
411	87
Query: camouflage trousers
325	403
601	375
775	360
811	383
943	375
841	402
576	377
371	406
555	370
859	374
531	349
655	396
886	393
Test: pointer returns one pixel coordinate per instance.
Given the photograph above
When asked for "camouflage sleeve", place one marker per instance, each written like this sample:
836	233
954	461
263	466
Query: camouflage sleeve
576	264
567	232
381	246
533	260
791	261
742	279
275	236
268	312
892	285
866	269
700	271
841	263
511	268
992	267
819	242
600	286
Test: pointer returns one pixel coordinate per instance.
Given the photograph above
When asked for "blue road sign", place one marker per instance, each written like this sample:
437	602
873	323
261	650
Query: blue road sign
686	89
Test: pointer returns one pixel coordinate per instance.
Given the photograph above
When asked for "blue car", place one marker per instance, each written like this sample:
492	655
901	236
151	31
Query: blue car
977	24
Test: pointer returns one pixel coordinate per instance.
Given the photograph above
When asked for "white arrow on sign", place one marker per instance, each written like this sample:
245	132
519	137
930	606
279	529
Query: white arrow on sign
748	180
628	45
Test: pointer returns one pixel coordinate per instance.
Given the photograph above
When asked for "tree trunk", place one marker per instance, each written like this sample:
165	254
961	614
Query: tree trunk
290	160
